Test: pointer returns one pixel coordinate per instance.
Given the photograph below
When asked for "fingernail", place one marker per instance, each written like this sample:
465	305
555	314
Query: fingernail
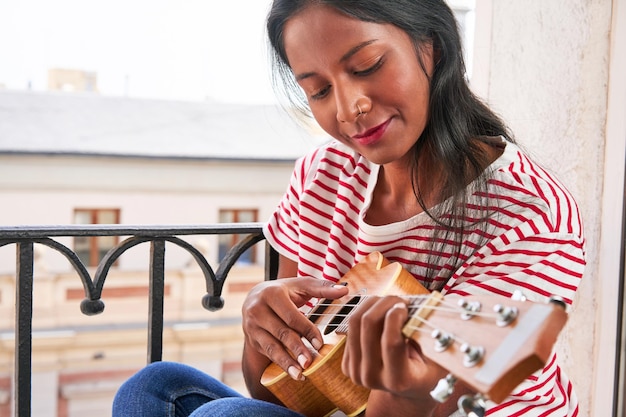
294	373
399	305
317	344
302	360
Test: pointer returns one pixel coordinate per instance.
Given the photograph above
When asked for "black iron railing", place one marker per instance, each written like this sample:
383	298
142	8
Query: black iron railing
24	239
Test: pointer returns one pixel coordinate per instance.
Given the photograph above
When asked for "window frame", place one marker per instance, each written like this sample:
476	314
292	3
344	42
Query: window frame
233	239
94	248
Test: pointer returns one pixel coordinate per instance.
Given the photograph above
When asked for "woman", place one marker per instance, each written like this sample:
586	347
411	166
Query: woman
419	170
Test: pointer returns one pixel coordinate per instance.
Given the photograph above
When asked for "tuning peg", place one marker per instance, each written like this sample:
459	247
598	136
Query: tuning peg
473	354
444	340
518	296
506	315
444	388
471	308
472	406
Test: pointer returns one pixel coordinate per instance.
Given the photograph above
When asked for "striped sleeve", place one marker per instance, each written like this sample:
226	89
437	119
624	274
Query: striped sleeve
316	222
282	230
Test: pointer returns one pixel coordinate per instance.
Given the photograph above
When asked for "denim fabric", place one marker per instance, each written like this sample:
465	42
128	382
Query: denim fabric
167	389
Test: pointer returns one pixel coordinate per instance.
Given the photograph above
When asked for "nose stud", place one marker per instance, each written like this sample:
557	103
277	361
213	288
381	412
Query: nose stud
360	112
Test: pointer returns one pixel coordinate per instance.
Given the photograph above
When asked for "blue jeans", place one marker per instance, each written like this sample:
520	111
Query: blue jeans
167	389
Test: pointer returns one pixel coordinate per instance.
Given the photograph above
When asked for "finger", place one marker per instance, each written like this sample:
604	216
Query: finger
289	331
271	307
267	333
395	318
306	288
268	345
405	369
352	362
394	348
372	328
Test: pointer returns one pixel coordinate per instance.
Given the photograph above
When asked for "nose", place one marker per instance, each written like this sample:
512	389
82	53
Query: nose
350	102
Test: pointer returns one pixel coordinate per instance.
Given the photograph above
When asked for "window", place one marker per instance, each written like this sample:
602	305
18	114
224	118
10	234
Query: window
228	241
91	250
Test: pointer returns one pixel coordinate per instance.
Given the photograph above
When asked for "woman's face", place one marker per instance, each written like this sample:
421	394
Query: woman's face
345	64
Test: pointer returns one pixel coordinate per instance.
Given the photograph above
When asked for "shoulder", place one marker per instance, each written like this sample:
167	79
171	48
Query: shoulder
525	186
333	152
332	162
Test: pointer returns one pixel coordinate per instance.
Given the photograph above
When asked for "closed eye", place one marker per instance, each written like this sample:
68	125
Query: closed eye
321	93
371	69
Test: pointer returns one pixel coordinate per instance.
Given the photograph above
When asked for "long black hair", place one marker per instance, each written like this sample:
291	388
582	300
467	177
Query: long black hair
458	119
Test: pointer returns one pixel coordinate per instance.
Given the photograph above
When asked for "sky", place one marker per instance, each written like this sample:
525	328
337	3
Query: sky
190	50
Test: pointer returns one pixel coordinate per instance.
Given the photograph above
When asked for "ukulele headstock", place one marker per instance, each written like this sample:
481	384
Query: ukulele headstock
490	343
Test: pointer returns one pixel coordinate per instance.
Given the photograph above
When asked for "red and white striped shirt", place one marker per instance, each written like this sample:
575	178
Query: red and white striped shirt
534	243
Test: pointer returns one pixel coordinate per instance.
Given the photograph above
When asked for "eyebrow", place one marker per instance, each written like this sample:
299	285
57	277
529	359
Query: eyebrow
344	58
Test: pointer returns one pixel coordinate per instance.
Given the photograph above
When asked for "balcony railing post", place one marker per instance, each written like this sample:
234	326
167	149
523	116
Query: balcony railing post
271	262
156	306
23	329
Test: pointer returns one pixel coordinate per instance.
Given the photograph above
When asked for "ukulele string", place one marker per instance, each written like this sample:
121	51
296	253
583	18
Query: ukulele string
332	303
426	326
426	322
443	306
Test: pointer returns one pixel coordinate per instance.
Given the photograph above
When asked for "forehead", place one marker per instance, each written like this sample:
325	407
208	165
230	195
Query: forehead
321	33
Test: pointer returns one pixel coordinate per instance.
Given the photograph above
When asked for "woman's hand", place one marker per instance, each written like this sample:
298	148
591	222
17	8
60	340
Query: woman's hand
379	357
273	325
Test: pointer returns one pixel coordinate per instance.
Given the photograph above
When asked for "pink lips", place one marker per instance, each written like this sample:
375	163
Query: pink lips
372	135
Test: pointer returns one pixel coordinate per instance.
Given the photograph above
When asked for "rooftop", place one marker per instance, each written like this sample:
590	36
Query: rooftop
91	124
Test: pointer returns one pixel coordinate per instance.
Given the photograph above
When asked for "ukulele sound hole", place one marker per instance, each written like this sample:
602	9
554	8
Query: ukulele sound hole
341	318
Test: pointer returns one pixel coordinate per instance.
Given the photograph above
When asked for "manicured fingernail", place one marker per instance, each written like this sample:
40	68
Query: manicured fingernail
317	344
302	360
295	374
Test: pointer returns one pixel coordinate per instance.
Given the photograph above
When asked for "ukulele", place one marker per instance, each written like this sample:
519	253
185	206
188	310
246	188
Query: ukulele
450	331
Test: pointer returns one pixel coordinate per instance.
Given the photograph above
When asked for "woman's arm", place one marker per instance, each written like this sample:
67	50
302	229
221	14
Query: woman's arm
254	363
286	267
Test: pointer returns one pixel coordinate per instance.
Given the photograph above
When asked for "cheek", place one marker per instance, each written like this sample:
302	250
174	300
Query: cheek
413	83
416	95
327	120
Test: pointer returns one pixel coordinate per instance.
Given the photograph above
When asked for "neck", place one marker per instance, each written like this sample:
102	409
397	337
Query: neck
394	198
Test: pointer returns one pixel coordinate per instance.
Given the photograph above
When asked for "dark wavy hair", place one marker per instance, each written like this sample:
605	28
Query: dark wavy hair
458	119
